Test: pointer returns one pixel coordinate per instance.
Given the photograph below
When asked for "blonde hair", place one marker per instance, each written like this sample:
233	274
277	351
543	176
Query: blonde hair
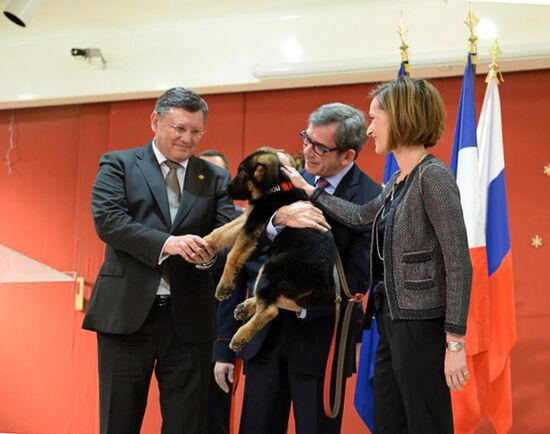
415	112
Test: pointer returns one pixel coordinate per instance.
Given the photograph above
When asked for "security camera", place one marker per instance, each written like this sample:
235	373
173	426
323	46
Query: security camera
79	52
89	54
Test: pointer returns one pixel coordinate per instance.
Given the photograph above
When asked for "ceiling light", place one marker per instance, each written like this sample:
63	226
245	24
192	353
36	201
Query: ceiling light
292	49
487	29
19	11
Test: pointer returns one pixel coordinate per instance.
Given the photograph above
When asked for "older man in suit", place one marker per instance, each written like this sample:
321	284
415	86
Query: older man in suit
285	362
153	303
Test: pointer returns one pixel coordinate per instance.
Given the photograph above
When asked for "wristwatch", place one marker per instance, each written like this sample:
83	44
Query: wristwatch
454	346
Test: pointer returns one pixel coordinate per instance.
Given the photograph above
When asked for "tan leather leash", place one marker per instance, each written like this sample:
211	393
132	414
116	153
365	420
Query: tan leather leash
341	285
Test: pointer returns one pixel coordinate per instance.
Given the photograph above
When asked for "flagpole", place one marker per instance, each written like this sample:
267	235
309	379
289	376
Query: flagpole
402	31
391	165
364	386
494	67
471	22
499	255
469	405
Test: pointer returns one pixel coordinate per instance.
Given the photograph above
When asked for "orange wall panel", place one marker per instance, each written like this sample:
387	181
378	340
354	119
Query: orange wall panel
224	127
36	338
38	197
48	368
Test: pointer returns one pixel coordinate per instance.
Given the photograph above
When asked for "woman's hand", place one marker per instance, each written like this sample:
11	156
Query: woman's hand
456	369
297	180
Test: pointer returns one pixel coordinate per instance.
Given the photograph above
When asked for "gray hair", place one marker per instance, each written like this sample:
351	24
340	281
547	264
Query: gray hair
180	97
351	132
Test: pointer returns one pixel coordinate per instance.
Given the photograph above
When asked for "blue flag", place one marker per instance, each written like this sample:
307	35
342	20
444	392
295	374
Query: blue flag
390	168
364	389
465	130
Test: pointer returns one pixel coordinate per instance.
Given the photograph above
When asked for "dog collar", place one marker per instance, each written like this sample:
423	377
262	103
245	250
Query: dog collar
283	186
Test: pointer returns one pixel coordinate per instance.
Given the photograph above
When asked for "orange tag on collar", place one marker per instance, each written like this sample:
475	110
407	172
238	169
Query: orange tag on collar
286	186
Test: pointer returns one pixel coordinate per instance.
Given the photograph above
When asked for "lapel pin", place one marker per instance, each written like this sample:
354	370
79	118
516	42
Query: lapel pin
201	176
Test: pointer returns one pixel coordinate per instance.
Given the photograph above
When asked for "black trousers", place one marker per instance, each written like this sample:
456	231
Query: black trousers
126	364
271	386
410	392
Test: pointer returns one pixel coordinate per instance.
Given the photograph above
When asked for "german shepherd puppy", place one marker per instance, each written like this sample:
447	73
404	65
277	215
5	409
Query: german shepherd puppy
300	261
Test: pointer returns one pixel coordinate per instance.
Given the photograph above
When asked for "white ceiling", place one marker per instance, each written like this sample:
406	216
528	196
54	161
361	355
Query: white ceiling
53	16
220	45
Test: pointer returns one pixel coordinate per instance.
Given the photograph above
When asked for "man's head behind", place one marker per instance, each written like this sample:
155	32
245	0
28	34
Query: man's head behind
178	123
215	157
284	156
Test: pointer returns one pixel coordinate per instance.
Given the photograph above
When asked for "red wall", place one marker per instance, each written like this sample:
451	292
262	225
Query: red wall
48	364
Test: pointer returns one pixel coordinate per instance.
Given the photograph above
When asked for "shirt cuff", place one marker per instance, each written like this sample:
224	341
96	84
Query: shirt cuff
163	256
302	314
206	265
271	230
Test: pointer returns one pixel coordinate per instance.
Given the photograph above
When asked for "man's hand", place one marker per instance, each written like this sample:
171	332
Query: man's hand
288	304
301	215
192	248
224	371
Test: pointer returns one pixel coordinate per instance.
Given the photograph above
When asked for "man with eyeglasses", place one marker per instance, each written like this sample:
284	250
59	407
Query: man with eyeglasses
153	305
285	362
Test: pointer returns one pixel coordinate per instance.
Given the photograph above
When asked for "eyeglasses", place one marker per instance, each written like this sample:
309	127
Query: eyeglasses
182	129
317	147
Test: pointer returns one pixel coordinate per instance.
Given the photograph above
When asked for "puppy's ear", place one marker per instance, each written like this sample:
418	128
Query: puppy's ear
260	173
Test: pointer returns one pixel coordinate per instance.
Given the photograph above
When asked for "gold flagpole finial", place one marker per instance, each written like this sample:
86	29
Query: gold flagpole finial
494	67
471	22
402	31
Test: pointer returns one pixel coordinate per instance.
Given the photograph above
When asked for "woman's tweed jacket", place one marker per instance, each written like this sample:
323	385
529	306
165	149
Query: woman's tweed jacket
427	268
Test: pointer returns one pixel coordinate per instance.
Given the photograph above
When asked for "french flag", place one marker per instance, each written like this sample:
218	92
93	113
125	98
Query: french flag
499	256
470	405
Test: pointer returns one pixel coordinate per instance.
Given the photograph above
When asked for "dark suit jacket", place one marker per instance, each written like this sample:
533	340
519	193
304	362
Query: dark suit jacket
132	216
309	338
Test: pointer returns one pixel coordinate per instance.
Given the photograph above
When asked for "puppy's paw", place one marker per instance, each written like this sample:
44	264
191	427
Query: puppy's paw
223	292
241	312
237	344
212	241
